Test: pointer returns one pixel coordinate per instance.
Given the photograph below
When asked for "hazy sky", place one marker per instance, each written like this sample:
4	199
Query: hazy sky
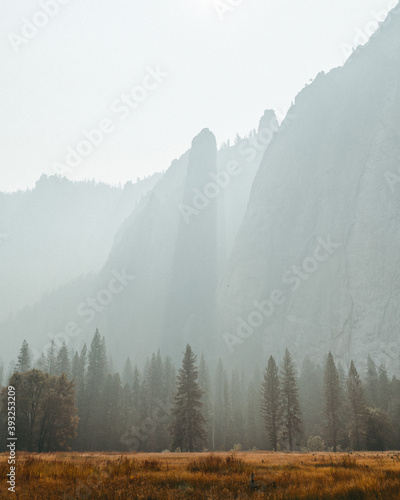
223	71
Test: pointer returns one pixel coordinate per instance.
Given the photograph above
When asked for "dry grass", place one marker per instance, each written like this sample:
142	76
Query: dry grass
222	476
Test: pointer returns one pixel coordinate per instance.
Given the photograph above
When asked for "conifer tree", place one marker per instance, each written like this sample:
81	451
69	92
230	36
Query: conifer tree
24	358
127	372
371	383
253	408
51	358
357	408
92	411
228	416
63	364
238	406
291	415
332	400
271	405
383	388
310	396
218	424
204	384
188	423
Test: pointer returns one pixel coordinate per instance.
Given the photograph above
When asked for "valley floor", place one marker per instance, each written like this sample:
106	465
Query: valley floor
222	476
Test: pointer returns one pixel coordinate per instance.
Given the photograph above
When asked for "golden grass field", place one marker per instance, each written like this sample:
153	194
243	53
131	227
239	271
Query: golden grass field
204	476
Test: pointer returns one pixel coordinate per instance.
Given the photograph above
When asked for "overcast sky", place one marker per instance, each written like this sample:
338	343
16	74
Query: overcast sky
223	69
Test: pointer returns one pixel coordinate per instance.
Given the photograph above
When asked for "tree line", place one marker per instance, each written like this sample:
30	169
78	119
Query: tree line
78	401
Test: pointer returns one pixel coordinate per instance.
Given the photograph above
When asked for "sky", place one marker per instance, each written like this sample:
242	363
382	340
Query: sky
116	90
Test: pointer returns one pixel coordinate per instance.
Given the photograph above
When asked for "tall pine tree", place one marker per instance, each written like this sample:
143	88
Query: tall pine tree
188	423
271	407
291	414
332	400
357	408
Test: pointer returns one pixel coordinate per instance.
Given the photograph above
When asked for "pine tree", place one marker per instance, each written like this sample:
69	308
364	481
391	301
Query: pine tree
51	359
357	408
291	415
228	416
92	411
252	409
41	364
63	364
127	372
271	408
237	397
383	389
188	424
24	358
204	384
371	383
218	408
332	399
310	397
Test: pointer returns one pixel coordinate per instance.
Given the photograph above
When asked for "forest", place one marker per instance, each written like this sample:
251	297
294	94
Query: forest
77	401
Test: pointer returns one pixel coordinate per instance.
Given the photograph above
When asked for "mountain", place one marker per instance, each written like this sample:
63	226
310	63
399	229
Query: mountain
316	264
156	286
58	231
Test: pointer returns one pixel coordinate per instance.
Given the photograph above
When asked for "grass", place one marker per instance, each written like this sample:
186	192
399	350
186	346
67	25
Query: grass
223	476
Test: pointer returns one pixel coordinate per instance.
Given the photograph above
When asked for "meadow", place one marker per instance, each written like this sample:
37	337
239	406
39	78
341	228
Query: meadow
220	475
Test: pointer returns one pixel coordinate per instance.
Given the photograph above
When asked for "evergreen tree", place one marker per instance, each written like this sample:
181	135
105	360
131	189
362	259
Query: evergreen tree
310	397
218	441
136	397
63	364
204	384
111	425
41	364
51	358
127	372
342	378
24	358
332	400
271	408
371	384
237	398
384	393
291	415
228	416
357	408
92	410
253	408
188	424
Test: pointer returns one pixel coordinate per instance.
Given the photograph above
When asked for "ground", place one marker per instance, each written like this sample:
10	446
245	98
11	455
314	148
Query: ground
222	476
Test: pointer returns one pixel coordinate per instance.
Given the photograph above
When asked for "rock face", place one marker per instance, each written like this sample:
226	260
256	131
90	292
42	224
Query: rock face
56	232
169	253
328	178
